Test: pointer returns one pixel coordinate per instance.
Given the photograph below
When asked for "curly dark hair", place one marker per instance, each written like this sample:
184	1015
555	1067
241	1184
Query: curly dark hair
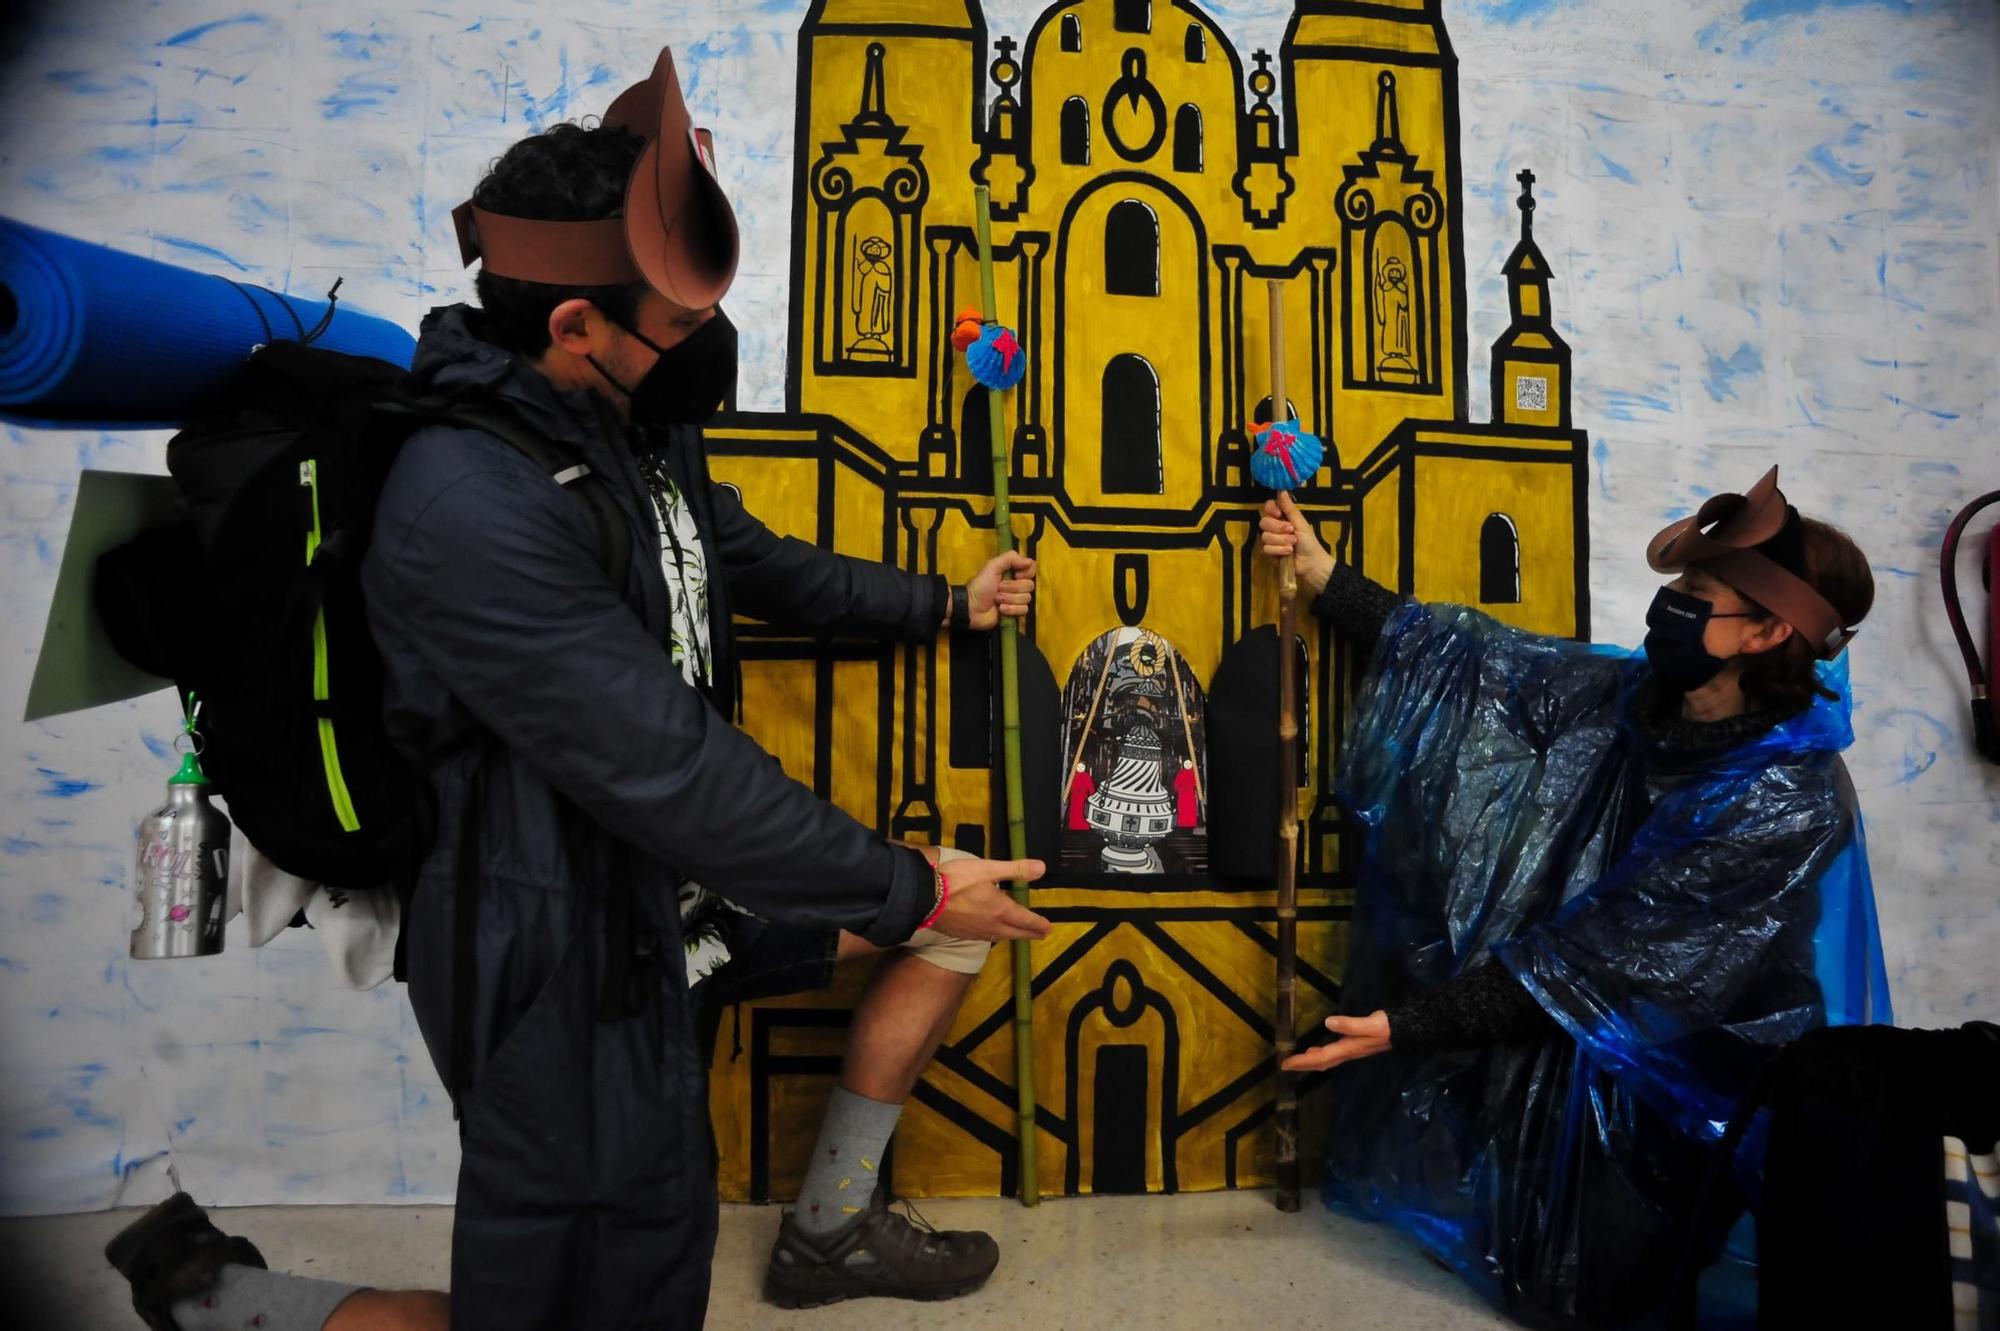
1785	677
567	173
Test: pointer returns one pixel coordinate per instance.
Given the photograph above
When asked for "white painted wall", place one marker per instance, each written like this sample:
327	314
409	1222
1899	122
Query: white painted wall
1774	228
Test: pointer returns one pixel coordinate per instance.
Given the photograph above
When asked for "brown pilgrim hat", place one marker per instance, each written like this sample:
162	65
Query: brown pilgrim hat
676	233
1723	536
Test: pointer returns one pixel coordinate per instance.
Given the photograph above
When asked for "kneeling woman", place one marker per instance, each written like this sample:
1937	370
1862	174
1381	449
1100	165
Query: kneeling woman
1596	891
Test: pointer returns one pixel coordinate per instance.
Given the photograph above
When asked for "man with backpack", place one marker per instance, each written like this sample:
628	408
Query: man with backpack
612	858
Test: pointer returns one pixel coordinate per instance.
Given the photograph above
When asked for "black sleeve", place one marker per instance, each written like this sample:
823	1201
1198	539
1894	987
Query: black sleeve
1484	1005
1357	606
795	584
499	587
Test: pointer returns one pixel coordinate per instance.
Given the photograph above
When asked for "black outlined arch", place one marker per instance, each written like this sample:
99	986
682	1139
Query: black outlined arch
1131	250
1134	458
1499	561
1187	138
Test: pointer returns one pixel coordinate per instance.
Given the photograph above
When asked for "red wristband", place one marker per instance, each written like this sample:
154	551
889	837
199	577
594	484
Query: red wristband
943	895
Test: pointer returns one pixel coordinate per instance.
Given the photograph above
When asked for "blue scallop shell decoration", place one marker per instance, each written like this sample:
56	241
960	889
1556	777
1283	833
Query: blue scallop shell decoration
996	359
1286	456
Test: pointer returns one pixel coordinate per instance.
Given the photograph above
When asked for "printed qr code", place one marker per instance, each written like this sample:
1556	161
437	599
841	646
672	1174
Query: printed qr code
1531	393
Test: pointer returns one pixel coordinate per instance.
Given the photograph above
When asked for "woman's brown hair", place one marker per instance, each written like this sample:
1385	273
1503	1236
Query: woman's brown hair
1785	679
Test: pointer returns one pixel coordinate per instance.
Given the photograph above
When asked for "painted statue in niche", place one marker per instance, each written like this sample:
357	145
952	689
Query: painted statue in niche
1134	733
1392	313
872	302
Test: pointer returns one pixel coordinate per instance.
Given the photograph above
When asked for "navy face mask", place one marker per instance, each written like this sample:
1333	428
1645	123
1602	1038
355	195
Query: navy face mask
1675	626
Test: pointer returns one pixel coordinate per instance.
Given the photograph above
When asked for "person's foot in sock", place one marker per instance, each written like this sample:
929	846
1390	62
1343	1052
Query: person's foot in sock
187	1275
842	1240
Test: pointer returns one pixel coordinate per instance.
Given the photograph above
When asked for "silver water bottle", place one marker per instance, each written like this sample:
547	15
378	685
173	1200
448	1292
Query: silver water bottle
183	873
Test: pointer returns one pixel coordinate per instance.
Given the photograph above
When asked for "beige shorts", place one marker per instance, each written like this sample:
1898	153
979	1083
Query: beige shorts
967	956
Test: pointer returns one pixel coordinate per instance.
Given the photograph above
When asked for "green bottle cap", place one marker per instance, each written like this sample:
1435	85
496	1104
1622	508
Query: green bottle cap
190	773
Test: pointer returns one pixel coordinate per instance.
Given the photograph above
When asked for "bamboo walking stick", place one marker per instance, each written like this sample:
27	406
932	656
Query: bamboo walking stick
1010	730
1287	1116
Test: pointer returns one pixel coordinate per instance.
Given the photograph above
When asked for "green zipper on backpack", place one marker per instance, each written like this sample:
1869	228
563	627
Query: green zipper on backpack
329	750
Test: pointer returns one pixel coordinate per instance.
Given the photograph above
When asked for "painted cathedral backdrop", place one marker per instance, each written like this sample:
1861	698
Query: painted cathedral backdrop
1146	186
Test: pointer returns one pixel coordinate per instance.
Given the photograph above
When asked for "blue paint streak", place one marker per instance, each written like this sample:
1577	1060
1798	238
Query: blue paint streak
1764	11
1617	170
1624	406
159	748
83	1111
1743	363
200	31
56	786
1918	406
356	93
42	1134
1515	11
15	845
1823	158
11	966
196	247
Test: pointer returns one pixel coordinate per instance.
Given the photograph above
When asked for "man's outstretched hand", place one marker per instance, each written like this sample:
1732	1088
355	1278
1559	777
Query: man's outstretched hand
980	907
1360	1037
1006	586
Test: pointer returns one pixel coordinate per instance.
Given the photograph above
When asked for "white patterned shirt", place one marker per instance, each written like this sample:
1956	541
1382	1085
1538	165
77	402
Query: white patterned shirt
685	565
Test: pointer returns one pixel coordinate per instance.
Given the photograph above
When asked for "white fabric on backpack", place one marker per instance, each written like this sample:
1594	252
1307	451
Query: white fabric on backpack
357	929
270	898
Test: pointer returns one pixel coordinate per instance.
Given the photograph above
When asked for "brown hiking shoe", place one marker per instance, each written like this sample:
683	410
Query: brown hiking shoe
879	1252
172	1253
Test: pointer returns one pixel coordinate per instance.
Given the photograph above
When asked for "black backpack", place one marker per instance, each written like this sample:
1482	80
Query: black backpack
254	602
1852	1227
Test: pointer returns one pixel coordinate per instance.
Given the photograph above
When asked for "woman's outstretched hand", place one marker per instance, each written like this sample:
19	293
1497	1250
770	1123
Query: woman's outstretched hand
1287	535
1360	1037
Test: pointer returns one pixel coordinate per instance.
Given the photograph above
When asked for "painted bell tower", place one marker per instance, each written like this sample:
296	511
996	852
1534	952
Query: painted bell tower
1530	360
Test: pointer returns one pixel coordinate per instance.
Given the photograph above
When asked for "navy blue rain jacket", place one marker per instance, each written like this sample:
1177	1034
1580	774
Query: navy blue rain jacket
586	1193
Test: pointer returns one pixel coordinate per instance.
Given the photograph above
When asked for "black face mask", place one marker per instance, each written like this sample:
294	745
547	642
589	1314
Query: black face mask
1675	626
691	379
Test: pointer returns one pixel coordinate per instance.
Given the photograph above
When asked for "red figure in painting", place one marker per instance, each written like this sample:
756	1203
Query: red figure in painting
1081	788
1187	799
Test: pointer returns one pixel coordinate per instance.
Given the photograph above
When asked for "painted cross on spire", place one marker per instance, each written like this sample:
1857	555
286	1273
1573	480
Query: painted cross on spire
1527	203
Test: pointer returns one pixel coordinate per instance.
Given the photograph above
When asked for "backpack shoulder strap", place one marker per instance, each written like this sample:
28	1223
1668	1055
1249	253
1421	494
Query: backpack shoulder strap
565	468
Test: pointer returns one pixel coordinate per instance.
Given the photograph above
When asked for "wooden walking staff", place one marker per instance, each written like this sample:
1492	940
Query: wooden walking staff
1286	459
992	359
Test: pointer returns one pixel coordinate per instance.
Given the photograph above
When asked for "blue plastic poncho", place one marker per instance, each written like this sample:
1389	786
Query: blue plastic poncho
1678	918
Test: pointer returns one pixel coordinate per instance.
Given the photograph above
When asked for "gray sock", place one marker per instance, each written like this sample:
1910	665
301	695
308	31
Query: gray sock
245	1296
841	1179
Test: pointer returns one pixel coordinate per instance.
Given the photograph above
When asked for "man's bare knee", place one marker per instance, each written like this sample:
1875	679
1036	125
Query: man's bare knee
392	1310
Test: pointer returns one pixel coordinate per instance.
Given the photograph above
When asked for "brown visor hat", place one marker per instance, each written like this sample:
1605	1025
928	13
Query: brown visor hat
1723	538
677	233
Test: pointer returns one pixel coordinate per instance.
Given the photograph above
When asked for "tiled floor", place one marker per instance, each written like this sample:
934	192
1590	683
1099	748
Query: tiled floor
1197	1260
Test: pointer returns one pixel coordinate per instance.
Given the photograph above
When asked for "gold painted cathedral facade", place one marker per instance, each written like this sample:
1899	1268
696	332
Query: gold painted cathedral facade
1146	187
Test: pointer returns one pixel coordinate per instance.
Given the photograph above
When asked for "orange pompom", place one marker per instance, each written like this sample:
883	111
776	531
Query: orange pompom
970	313
965	335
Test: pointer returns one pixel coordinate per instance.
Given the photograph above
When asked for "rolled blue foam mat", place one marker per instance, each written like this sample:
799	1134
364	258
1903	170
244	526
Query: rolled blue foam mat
94	337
